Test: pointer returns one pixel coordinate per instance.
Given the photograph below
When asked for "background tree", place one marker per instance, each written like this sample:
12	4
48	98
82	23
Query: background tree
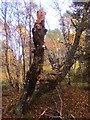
7	34
19	35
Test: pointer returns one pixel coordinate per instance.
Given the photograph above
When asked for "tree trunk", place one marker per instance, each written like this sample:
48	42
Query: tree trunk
61	73
35	68
31	79
70	55
6	54
30	30
23	54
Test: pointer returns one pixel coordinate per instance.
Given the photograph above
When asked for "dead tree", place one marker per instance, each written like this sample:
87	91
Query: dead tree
32	75
62	70
7	35
35	69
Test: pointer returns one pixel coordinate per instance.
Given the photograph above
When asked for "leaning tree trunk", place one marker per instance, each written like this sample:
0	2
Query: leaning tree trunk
35	68
61	70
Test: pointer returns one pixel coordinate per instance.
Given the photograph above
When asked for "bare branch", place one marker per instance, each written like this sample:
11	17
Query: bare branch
73	23
42	114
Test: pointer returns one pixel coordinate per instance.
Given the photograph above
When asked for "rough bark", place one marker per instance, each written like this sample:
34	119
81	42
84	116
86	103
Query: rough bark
31	79
70	55
35	68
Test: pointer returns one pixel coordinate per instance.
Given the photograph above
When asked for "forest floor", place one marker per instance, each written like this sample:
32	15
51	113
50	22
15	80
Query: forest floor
75	103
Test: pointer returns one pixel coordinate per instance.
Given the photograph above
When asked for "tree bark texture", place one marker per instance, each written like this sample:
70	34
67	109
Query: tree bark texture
35	68
31	79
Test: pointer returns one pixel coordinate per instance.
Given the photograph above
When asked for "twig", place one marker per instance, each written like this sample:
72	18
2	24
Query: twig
52	116
72	116
73	23
60	101
42	113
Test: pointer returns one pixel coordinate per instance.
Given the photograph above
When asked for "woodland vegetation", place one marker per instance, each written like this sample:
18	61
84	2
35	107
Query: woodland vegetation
48	79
